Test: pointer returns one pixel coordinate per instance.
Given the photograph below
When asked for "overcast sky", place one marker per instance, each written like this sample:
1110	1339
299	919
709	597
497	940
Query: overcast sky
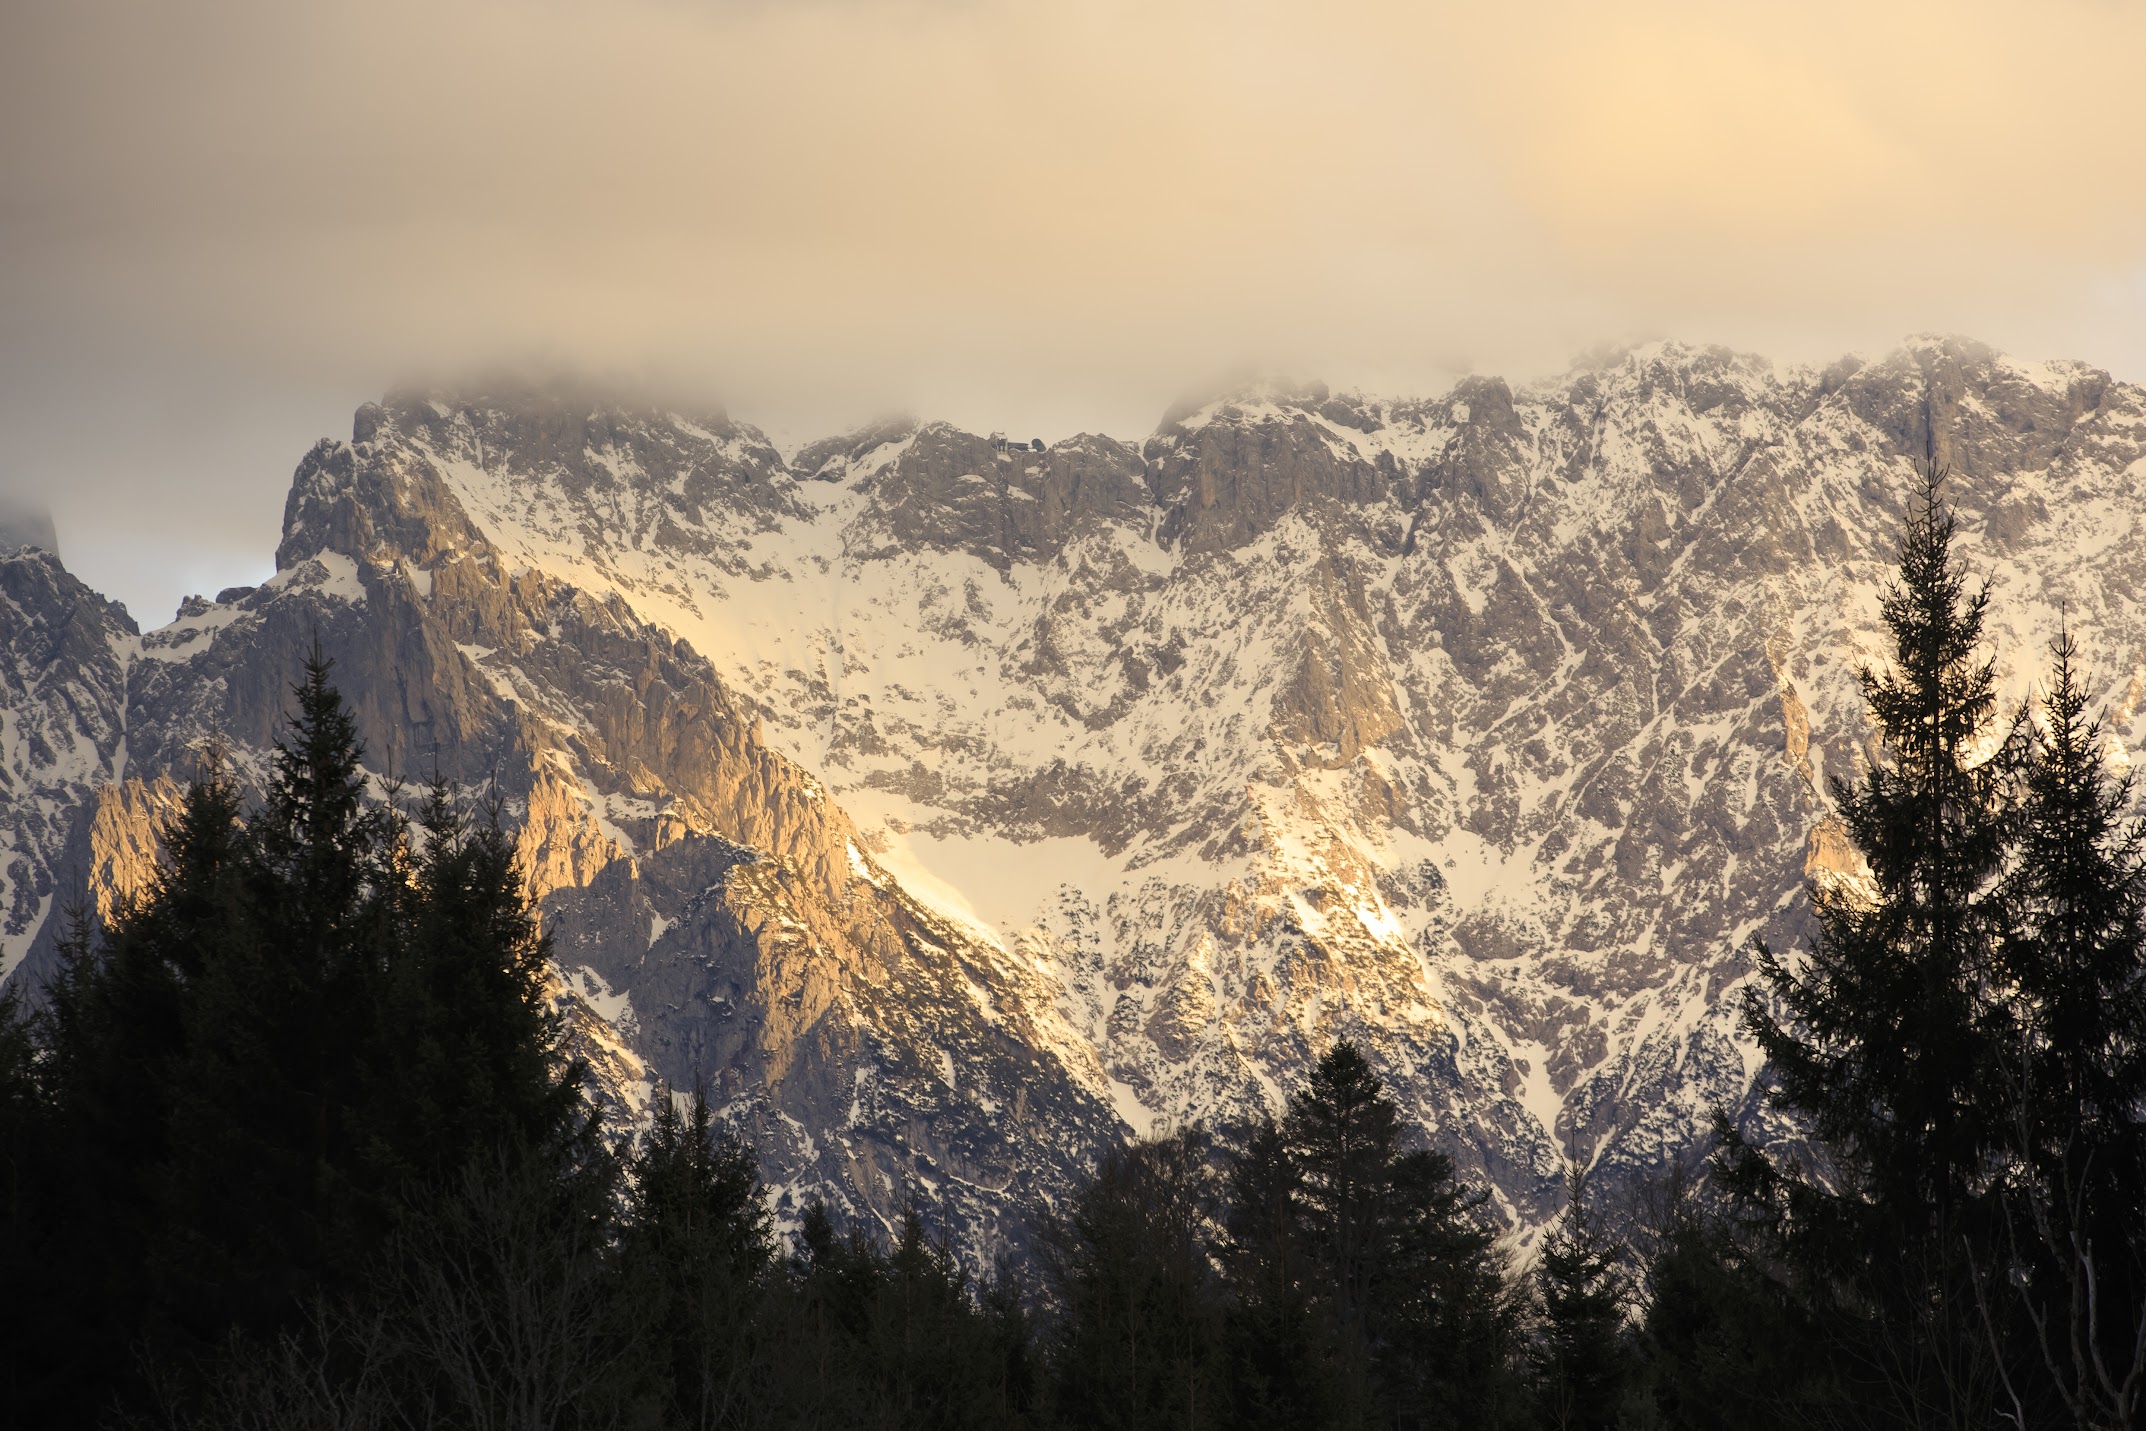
224	225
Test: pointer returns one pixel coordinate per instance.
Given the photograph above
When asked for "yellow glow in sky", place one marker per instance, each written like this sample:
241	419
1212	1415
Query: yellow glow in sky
1032	215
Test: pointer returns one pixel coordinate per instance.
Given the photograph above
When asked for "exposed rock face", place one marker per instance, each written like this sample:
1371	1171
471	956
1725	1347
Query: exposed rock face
953	808
940	489
1224	483
64	652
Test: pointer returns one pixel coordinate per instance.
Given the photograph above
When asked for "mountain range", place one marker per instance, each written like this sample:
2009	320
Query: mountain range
952	807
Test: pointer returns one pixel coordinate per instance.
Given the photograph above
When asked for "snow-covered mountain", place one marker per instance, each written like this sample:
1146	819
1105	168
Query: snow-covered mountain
954	807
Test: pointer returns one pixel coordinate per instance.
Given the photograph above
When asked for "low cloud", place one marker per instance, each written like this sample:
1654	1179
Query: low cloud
224	220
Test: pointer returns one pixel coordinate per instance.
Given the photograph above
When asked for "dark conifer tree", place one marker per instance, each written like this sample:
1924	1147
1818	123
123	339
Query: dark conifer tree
1881	1043
1010	1363
1368	1291
695	1249
1449	1319
1137	1342
115	1033
256	1190
924	1343
466	1053
1723	1344
895	1336
816	1314
2073	1090
1580	1352
1882	1049
27	1264
2074	962
1278	1345
1343	1135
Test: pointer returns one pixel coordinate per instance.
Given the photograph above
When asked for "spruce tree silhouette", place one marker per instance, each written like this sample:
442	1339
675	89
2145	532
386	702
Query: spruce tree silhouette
1880	1042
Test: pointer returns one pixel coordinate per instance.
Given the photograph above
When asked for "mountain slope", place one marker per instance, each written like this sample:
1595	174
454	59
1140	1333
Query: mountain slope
714	916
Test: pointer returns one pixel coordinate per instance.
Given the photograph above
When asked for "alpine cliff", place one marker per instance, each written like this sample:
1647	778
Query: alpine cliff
952	808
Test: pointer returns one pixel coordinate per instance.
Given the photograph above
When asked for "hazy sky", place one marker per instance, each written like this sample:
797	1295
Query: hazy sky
223	225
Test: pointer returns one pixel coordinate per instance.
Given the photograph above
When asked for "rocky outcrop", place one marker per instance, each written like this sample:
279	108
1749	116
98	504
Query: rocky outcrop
1227	472
64	652
948	490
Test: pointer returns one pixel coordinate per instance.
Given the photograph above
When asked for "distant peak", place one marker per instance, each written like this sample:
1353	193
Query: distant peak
835	459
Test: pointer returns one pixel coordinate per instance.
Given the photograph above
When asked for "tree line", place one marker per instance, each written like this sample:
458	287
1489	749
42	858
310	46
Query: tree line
295	1140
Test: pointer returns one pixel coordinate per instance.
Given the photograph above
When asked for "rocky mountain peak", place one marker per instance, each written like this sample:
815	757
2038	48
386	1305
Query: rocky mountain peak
849	456
1002	501
1227	472
1972	410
